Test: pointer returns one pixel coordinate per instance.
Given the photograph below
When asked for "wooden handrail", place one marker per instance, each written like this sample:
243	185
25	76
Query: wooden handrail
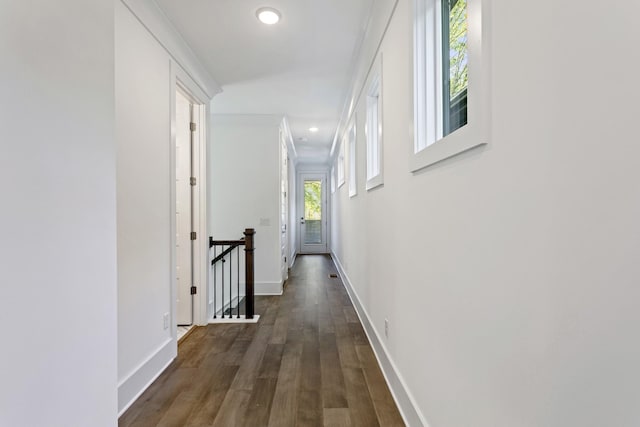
226	252
213	243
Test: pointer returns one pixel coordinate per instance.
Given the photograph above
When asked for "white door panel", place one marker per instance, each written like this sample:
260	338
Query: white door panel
183	211
284	209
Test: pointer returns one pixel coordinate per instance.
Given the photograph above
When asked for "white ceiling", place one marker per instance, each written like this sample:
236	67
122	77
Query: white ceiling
299	67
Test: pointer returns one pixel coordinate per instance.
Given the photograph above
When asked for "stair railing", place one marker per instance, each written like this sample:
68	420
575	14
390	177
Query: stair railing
223	277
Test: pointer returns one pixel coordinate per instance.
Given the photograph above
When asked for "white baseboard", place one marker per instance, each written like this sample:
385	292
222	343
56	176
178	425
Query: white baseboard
401	394
267	288
130	388
294	256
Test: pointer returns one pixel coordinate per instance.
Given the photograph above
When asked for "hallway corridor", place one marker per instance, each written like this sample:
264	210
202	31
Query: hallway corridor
306	363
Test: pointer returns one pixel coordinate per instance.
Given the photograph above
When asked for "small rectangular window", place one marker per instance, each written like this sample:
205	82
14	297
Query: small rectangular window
351	138
450	79
373	164
333	179
455	71
373	131
341	165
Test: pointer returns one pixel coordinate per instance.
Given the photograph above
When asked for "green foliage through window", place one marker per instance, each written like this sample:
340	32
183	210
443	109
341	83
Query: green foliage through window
458	61
313	200
455	64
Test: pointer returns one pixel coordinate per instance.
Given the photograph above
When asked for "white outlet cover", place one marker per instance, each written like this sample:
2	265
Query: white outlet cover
165	320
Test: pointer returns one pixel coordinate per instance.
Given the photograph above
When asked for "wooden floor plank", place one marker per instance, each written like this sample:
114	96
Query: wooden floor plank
284	407
383	402
337	417
280	328
333	391
252	359
233	409
270	367
259	405
204	414
310	412
307	362
361	407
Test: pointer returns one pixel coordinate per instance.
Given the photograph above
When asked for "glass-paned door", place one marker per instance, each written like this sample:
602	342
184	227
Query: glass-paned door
312	207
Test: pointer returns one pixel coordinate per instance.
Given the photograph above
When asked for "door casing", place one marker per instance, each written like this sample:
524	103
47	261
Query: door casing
284	207
181	79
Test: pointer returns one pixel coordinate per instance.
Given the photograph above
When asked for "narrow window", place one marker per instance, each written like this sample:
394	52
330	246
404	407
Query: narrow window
374	135
341	165
351	138
454	65
450	99
333	179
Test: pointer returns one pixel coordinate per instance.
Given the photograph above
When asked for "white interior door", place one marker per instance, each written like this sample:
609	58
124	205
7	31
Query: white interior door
284	208
184	210
312	213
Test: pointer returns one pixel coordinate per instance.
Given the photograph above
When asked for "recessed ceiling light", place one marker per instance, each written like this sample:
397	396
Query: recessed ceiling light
313	129
268	15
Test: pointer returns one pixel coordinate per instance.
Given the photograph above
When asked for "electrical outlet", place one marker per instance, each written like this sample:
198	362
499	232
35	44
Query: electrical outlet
386	328
165	320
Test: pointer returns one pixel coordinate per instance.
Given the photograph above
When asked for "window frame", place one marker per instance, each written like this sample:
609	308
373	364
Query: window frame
429	146
352	139
333	179
374	147
341	174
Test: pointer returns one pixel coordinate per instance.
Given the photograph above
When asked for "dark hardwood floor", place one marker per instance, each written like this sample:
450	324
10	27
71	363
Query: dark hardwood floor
306	363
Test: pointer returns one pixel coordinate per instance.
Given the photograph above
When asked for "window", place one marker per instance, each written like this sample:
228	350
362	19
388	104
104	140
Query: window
450	83
455	65
351	138
333	179
341	165
373	131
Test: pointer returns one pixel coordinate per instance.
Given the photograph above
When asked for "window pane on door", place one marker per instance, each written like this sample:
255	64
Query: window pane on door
313	212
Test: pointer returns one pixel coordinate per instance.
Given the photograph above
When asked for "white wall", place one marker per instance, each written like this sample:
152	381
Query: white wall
244	184
58	222
146	210
509	273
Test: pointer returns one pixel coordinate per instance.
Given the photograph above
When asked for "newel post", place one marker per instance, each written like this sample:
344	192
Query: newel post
248	265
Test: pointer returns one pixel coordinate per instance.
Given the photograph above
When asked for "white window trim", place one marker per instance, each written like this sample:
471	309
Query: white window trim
341	174
429	147
374	86
333	179
352	138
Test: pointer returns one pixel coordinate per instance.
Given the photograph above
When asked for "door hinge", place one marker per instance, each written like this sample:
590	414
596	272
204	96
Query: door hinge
285	259
192	126
193	235
194	290
192	180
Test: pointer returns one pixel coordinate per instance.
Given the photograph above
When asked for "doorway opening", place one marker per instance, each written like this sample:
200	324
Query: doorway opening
190	248
284	208
312	210
185	128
